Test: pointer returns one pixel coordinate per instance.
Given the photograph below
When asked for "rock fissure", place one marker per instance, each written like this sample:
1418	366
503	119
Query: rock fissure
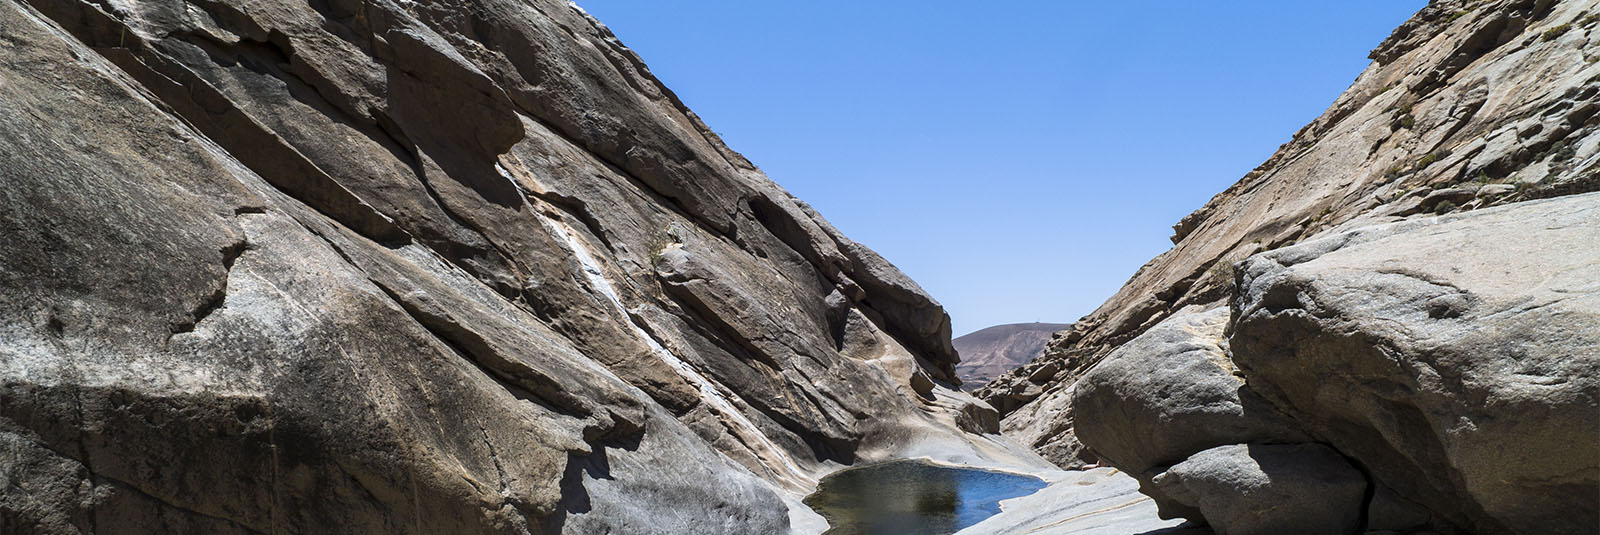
218	298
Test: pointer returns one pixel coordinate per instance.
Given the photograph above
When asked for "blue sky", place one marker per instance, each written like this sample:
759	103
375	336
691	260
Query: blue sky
1021	159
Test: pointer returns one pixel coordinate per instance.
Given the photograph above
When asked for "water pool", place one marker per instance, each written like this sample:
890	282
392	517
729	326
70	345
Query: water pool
914	497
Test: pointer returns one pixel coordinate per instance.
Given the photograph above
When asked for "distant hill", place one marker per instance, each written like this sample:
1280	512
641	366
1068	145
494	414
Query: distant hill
987	353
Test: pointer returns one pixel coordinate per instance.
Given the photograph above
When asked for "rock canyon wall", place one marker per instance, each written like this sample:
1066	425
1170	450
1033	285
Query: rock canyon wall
1396	313
385	266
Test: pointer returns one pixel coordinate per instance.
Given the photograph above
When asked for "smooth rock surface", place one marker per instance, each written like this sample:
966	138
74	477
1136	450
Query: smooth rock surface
1257	489
1456	358
1100	501
1047	428
1169	393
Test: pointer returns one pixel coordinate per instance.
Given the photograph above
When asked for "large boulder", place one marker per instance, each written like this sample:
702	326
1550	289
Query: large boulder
1256	489
1169	393
1457	359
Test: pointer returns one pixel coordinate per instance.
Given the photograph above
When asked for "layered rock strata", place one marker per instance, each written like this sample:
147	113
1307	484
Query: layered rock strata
395	267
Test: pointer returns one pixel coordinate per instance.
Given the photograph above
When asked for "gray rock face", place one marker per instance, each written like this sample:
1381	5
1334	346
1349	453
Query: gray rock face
1259	489
1455	364
1458	360
395	267
1047	428
1464	94
1167	395
1455	360
1170	393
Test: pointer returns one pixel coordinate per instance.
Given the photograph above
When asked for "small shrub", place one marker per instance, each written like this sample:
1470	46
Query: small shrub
1458	14
1445	207
1431	158
1553	33
1222	271
1566	152
1591	19
657	244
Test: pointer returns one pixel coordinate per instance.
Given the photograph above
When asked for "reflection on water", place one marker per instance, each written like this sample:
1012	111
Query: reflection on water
913	497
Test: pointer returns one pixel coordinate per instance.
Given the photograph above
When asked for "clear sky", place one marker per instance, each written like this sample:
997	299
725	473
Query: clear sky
1018	159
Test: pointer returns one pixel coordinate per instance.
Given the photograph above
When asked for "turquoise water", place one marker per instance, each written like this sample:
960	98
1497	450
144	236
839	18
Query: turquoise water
914	497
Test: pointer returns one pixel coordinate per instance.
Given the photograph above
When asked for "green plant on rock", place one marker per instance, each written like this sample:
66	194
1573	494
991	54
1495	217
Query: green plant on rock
1393	172
1552	33
1405	120
1429	159
658	243
1445	207
1223	272
1566	151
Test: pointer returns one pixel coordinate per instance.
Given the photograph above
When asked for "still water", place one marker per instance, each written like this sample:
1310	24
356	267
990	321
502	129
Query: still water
914	497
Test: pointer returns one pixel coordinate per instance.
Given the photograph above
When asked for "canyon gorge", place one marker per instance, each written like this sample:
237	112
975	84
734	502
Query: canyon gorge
448	266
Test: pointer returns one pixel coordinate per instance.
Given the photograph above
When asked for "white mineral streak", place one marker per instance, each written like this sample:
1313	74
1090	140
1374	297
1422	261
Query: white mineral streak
741	426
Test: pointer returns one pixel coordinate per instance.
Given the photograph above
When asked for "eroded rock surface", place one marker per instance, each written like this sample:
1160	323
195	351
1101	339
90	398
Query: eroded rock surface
1468	104
437	267
1169	393
1453	365
1458	360
1266	489
1437	374
1097	501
